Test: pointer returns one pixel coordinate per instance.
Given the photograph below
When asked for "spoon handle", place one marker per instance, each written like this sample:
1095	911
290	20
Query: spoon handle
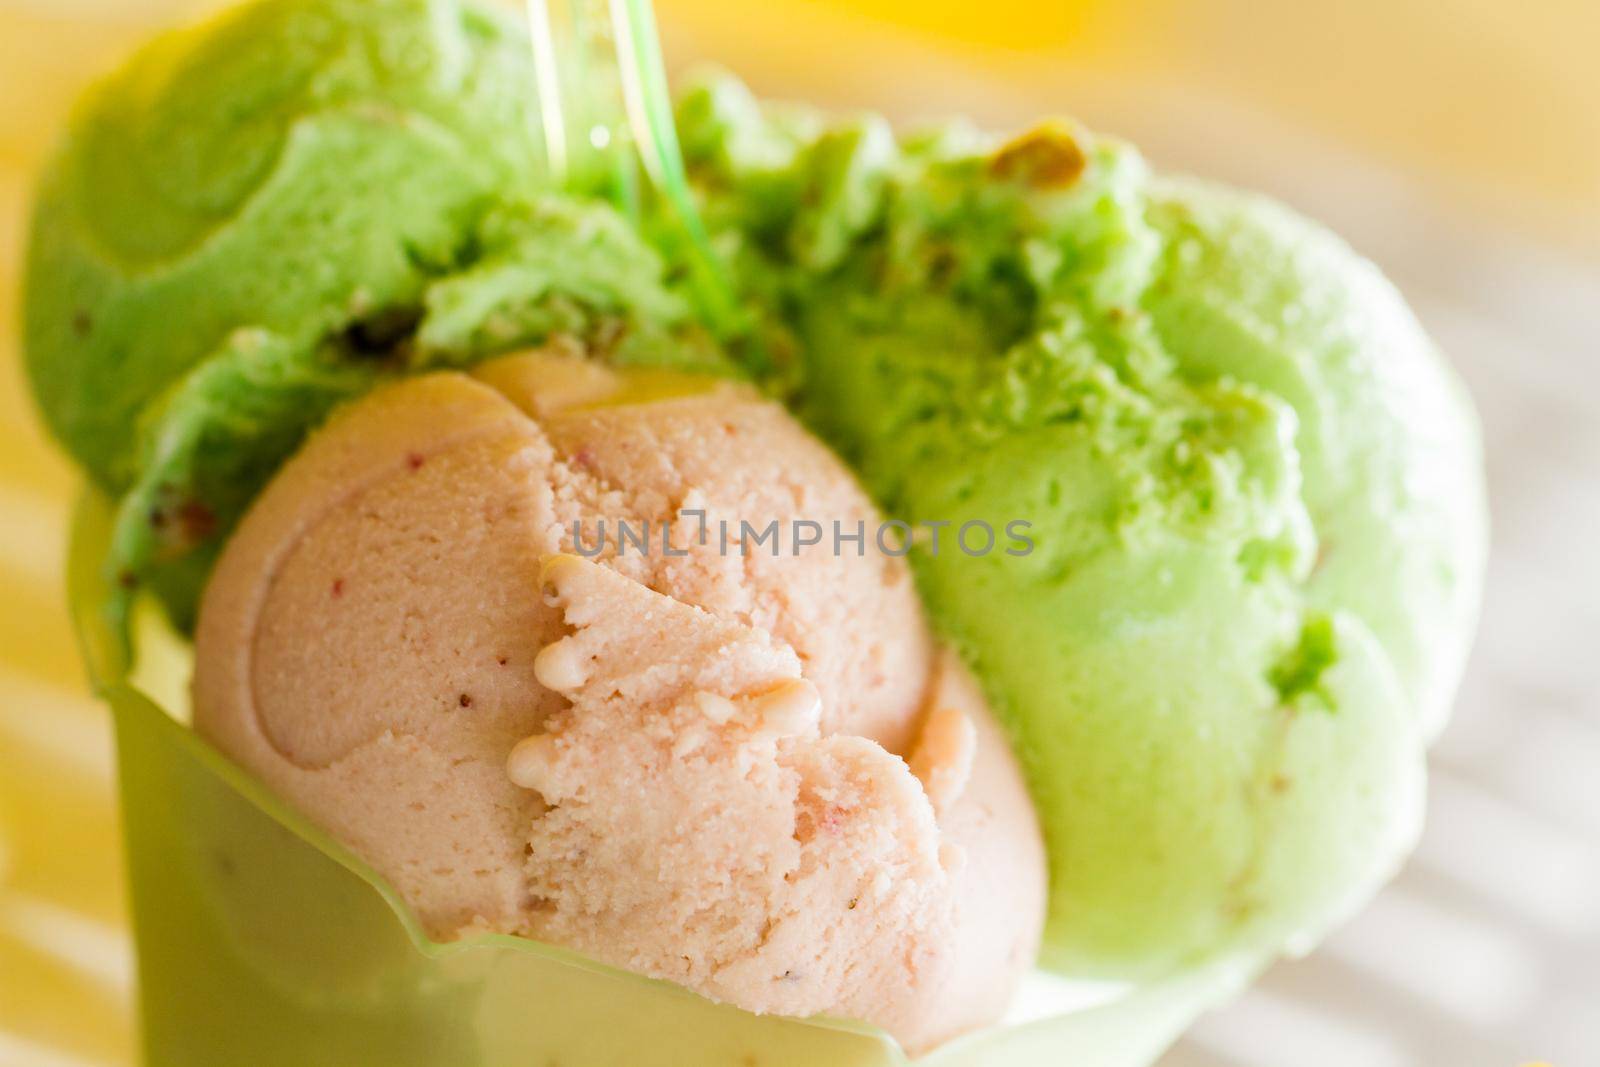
607	115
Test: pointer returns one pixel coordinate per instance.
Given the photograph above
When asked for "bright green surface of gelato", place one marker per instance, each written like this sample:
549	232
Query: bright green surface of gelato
263	216
1253	492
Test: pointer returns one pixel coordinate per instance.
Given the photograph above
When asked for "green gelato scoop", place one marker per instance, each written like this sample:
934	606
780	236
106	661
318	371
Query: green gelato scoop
1254	495
267	214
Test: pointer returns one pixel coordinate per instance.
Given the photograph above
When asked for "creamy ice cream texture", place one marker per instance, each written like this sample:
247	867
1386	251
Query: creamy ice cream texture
689	766
1255	490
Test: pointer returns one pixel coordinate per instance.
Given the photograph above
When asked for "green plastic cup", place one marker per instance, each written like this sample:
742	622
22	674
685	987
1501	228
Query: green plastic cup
263	943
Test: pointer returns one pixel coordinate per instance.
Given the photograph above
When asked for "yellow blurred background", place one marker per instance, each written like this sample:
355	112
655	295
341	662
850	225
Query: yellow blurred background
1491	108
1495	102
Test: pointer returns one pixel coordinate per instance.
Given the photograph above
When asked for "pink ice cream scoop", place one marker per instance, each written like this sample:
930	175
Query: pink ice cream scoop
750	772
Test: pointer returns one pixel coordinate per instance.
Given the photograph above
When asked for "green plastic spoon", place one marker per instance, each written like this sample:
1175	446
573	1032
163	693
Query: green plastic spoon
606	113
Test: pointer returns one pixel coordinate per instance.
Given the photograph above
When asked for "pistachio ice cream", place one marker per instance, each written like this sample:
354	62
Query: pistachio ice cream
1254	489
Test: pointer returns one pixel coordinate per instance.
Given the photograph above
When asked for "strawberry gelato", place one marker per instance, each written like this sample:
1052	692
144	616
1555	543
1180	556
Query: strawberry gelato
745	769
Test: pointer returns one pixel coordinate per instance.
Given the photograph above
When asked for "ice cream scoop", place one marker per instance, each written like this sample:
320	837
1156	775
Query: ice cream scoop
1254	494
682	760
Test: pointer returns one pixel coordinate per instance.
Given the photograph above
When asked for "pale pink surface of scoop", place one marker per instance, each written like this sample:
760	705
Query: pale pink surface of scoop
370	646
